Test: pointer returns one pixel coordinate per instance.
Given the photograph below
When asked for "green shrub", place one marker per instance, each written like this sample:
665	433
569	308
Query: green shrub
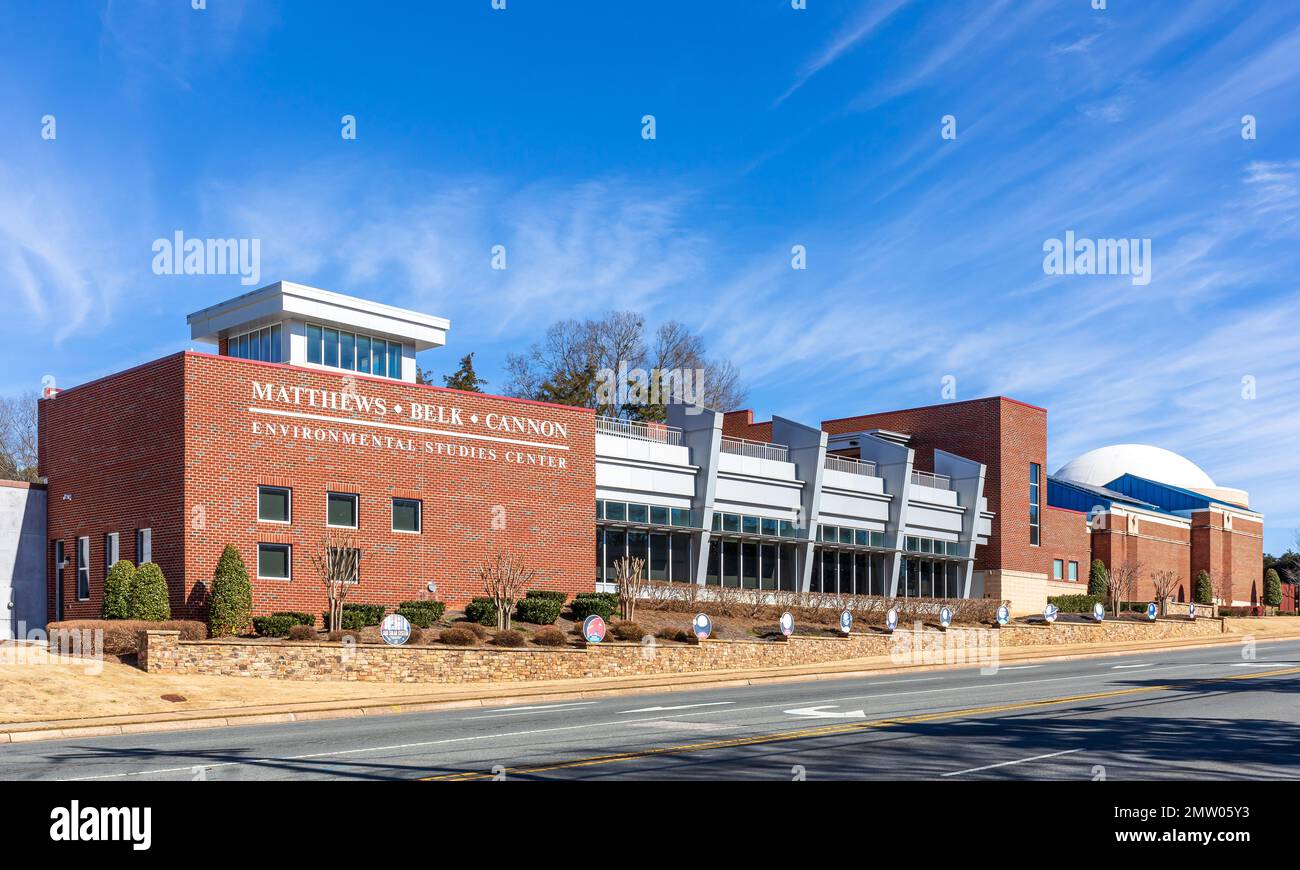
1097	579
275	625
458	636
539	611
482	611
509	637
1076	603
358	616
422	614
231	605
1204	592
551	594
149	594
627	631
117	590
550	637
1272	588
584	604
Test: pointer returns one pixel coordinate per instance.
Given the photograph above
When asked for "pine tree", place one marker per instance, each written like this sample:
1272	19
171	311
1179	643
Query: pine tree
1204	588
231	608
1097	578
465	378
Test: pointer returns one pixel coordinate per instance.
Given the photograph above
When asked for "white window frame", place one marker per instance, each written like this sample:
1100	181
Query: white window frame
289	490
288	548
1058	564
419	516
1072	567
112	550
83	566
356	509
140	537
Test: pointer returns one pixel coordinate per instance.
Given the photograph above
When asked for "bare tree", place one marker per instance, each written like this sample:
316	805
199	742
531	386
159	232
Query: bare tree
629	574
1164	582
19	437
336	564
505	581
1221	581
1121	583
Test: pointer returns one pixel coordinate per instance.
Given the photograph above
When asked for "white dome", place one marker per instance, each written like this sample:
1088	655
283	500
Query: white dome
1099	467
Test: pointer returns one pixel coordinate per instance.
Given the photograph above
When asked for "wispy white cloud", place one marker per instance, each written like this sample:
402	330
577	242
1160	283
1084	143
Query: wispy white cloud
872	17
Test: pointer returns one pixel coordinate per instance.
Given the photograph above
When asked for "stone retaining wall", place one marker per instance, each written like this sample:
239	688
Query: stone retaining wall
163	652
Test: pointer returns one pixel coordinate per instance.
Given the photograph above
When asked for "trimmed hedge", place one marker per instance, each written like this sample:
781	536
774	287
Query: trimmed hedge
231	606
584	604
422	614
538	610
117	590
358	616
121	636
149	594
279	624
481	610
552	594
1077	603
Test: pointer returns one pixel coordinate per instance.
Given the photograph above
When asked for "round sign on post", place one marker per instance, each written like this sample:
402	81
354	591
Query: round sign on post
945	617
846	621
1004	614
1049	614
1098	611
1152	610
593	628
1191	611
787	623
395	629
891	619
702	626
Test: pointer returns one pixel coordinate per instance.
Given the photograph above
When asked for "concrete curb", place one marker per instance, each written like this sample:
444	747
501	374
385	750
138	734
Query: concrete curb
680	683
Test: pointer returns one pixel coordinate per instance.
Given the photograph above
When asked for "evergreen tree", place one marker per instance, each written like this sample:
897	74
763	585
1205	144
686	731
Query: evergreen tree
465	378
1204	588
149	594
231	609
1272	589
117	590
1097	578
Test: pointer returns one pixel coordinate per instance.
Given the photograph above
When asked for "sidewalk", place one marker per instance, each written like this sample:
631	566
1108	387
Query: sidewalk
410	698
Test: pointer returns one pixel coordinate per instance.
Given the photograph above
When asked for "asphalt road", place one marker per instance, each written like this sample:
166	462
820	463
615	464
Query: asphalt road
1192	714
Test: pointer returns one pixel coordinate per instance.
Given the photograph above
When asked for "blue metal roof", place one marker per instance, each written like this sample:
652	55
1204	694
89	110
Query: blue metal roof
1170	498
1082	497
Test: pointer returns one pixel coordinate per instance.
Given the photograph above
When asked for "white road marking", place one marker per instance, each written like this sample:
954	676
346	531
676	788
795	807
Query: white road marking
1018	667
1260	664
677	725
1009	763
824	712
516	711
1125	667
586	726
678	707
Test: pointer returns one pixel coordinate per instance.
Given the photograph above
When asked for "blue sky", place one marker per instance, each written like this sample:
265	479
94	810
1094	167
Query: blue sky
775	127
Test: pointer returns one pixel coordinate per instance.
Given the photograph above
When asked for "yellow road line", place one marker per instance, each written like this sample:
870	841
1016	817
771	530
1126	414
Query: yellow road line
846	728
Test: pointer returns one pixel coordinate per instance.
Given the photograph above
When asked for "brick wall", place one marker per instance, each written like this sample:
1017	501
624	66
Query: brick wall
173	445
1066	537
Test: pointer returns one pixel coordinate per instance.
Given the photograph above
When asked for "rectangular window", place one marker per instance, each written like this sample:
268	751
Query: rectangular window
658	557
340	557
749	558
363	354
681	516
913	545
112	550
600	509
1074	571
638	513
600	555
60	562
731	564
787	529
277	344
83	569
846	536
143	546
406	515
769	527
1035	472
616	510
749	525
877	539
314	335
615	549
273	504
659	516
861	537
788	574
767	570
730	523
394	360
341	510
713	570
378	357
1058	569
273	561
332	348
638	545
681	558
347	351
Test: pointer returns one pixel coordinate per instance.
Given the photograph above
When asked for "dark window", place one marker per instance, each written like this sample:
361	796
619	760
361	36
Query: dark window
681	516
713	573
730	523
277	344
600	509
273	561
749	525
394	360
347	351
406	515
681	558
332	348
314	336
112	550
143	546
273	504
59	560
861	537
749	565
638	546
769	527
83	569
658	557
342	557
767	566
600	555
1034	502
342	510
659	516
638	513
363	353
788	574
615	548
846	536
616	510
787	529
731	563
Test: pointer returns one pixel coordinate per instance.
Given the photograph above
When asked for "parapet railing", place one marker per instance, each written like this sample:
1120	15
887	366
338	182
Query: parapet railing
934	481
755	449
851	466
656	432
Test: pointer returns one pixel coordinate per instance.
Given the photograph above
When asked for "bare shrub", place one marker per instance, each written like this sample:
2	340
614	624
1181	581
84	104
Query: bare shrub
458	637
